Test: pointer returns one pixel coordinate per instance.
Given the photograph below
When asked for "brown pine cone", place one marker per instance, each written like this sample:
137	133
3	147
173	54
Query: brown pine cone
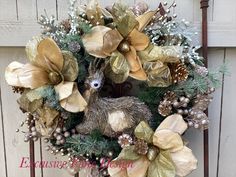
141	147
179	72
66	25
19	90
165	108
125	140
170	96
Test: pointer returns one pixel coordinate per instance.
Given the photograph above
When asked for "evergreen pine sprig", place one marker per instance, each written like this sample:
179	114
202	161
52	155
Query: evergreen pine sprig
93	144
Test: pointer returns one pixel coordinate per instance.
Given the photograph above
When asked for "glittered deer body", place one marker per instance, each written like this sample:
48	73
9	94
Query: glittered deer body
111	116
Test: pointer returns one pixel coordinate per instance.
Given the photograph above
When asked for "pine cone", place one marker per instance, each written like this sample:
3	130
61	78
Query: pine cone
125	140
66	25
19	90
170	96
165	108
202	102
74	46
179	72
197	118
141	147
201	70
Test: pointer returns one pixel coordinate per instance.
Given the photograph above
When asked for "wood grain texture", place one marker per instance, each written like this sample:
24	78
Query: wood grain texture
224	11
3	167
215	60
63	6
48	6
227	160
27	10
8	10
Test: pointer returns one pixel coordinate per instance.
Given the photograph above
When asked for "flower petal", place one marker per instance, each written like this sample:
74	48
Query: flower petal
27	76
101	41
165	54
49	55
138	40
167	140
115	170
131	57
140	74
70	68
31	48
158	74
145	18
112	39
184	160
129	153
143	131
70	97
175	123
118	63
139	168
117	78
162	166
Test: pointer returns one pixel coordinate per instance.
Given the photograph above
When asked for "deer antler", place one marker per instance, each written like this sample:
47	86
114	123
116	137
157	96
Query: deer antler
97	64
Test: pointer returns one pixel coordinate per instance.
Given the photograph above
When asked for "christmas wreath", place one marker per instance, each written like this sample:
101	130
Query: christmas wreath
115	87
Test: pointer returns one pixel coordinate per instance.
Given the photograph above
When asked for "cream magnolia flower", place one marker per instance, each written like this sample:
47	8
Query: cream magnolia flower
48	66
121	44
167	155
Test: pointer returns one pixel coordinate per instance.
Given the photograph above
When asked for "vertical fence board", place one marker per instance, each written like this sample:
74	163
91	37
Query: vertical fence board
63	6
185	9
27	10
53	172
224	11
227	160
216	57
195	139
3	171
8	10
16	149
47	5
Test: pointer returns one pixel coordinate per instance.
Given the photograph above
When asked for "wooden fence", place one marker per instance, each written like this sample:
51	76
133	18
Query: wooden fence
18	24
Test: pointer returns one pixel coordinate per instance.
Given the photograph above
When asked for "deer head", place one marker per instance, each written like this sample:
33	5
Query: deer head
95	80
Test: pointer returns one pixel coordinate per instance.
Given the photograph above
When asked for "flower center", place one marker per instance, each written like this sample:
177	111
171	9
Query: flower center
124	47
55	78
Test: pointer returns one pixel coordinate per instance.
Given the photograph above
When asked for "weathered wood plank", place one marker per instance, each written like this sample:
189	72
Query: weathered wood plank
8	10
215	60
50	6
185	9
224	11
53	172
63	6
227	161
17	33
195	139
16	149
27	10
3	167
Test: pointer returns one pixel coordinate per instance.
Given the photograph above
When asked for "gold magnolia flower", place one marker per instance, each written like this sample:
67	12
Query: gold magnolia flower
122	43
48	66
167	154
